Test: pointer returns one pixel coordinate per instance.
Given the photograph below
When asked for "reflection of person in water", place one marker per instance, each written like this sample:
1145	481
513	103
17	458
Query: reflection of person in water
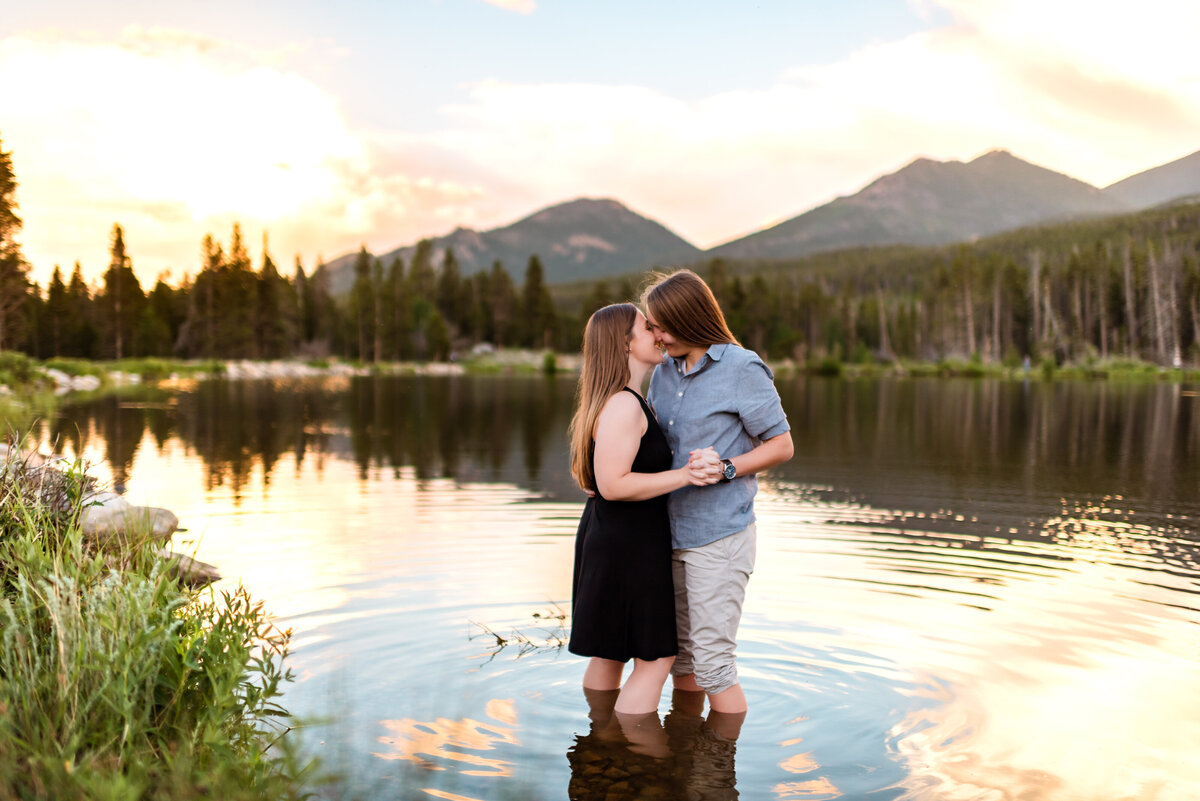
634	756
703	748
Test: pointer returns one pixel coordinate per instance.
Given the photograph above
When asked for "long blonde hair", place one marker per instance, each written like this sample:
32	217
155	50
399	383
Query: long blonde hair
605	370
681	304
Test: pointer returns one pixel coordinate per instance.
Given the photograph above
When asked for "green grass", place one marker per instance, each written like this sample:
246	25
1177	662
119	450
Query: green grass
121	683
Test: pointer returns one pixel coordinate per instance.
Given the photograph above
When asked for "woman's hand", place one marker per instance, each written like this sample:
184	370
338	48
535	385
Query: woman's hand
704	467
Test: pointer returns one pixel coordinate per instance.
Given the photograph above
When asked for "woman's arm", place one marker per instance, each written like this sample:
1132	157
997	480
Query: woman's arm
618	434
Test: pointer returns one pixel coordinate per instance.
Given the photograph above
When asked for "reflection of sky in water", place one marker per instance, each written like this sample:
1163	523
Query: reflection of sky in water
922	623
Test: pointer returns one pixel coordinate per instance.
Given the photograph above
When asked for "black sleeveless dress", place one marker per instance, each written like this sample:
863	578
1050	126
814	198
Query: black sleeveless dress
624	599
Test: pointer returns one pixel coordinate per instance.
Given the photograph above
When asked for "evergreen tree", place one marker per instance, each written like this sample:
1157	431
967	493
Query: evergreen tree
450	292
537	307
81	337
306	315
276	312
325	311
421	302
58	314
503	303
362	306
151	334
198	337
397	290
237	290
120	302
170	307
14	272
483	328
379	316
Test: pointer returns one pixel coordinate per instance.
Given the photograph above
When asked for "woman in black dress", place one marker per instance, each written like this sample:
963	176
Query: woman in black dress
624	604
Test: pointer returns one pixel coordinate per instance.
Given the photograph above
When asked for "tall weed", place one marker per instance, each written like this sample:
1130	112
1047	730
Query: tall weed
122	684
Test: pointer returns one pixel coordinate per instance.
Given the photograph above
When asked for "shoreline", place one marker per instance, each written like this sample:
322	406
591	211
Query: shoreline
34	386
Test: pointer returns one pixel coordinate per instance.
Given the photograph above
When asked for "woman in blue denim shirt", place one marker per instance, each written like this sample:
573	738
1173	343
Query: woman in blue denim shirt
711	392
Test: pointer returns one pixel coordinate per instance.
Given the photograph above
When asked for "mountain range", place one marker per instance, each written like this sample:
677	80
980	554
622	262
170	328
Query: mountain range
926	202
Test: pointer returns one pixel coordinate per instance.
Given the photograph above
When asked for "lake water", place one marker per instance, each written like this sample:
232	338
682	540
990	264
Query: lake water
964	590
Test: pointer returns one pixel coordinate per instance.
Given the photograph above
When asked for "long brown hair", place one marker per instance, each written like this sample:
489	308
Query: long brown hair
605	370
681	304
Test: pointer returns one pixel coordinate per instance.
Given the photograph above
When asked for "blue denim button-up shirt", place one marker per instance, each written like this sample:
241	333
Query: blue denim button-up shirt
727	401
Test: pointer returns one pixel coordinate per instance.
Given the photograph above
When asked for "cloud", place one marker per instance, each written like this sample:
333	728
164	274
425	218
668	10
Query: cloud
176	135
173	136
519	6
1057	83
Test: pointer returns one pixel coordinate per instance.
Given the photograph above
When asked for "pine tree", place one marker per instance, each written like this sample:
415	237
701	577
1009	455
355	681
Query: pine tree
14	272
397	290
58	313
276	313
502	295
537	307
120	302
362	306
238	293
81	338
450	291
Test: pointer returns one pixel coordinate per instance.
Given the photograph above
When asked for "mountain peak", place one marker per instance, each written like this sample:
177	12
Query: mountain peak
997	154
930	202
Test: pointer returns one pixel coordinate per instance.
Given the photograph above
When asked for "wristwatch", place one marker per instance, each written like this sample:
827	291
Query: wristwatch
728	471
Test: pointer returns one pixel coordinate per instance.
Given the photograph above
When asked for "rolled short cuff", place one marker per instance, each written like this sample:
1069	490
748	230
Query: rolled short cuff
710	585
717	678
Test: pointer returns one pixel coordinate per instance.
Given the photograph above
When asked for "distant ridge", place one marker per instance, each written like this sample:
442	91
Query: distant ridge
1162	184
931	203
584	239
927	202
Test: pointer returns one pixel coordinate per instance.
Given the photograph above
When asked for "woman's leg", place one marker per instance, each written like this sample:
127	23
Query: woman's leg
643	689
602	674
645	733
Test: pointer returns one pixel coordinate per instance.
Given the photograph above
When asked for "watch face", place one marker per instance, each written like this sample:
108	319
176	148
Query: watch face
730	470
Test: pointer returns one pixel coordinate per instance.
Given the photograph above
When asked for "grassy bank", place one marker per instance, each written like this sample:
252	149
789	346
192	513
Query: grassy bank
116	682
1093	369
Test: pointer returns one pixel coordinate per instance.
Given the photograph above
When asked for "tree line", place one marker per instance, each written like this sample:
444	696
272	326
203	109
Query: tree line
231	310
1124	286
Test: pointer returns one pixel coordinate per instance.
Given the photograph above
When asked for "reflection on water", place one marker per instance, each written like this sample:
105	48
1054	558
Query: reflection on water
965	589
460	742
686	756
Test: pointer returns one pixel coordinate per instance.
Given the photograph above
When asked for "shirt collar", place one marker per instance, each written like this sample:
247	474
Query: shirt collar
714	353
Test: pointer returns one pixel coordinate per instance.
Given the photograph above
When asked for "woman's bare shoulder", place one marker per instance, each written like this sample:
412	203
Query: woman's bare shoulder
622	409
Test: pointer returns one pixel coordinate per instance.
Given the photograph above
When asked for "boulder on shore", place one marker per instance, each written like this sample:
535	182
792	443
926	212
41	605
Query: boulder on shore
107	520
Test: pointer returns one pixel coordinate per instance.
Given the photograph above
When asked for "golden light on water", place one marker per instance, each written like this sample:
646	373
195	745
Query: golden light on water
444	744
1048	654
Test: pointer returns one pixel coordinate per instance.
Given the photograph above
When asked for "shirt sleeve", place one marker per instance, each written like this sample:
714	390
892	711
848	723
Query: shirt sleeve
758	402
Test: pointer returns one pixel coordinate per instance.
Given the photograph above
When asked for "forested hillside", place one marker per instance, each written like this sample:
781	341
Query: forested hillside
1119	286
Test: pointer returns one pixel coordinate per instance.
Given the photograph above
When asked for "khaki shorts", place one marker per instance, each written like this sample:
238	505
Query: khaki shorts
710	585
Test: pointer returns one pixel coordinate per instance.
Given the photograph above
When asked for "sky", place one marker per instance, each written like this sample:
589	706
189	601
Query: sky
327	126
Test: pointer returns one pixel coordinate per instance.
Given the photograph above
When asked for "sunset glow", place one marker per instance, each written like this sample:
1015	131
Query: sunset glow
324	134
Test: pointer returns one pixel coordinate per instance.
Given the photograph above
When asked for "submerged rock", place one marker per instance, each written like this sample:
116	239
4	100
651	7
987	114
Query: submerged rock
191	572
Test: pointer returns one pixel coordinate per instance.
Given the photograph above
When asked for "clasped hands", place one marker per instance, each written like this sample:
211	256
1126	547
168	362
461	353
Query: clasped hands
703	467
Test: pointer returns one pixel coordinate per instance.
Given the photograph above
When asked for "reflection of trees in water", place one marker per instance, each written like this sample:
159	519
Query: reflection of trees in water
471	429
1069	439
1066	437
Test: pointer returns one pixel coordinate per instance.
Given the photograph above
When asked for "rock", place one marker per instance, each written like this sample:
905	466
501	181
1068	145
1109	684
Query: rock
110	521
105	500
190	571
